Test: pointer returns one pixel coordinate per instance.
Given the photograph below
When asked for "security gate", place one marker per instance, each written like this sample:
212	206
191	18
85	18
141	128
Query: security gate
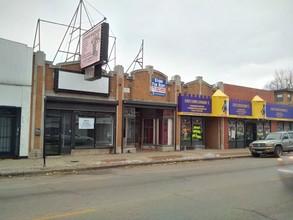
9	132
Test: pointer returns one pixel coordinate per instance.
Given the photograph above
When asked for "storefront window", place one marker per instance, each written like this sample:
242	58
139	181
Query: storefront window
286	126
197	133
185	134
232	130
280	126
240	130
267	127
130	131
104	130
84	131
260	130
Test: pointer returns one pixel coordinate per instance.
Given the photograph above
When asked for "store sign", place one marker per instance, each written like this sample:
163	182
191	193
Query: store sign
95	46
194	105
240	107
73	82
158	87
86	123
279	111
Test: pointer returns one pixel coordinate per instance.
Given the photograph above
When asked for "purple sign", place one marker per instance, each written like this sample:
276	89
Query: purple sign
194	104
240	107
279	111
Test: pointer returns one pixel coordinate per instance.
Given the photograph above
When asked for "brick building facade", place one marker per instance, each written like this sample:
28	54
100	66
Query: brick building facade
139	111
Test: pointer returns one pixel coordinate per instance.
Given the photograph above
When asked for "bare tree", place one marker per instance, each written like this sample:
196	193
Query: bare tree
283	79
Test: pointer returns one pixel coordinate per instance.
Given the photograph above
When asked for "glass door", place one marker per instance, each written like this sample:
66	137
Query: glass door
52	135
250	133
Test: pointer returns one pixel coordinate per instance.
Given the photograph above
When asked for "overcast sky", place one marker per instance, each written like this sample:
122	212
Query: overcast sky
236	42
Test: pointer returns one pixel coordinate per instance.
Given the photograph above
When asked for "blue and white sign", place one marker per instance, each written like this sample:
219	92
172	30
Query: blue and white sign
158	87
240	108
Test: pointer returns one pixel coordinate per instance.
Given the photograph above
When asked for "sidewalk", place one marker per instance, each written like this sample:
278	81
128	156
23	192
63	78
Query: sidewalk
73	164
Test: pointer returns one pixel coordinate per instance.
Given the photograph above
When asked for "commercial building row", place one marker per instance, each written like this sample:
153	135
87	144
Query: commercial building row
52	109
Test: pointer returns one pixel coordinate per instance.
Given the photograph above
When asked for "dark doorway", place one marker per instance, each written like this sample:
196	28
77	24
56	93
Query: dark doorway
9	131
250	133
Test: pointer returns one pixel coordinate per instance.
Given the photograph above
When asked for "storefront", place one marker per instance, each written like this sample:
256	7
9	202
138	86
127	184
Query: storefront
15	98
232	123
78	115
192	132
76	124
195	112
148	126
241	132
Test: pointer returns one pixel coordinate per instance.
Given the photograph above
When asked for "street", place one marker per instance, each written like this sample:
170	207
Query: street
248	188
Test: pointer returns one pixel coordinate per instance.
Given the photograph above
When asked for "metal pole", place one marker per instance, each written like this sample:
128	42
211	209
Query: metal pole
44	135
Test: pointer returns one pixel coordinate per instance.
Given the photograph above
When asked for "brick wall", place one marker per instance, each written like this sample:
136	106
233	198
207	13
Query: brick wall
195	88
245	93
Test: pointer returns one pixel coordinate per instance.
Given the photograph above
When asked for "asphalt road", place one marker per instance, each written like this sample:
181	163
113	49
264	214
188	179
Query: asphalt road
247	188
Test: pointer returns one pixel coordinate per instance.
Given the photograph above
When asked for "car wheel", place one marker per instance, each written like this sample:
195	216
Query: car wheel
255	154
278	151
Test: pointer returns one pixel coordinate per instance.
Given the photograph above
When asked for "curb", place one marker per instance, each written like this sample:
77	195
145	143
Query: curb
75	170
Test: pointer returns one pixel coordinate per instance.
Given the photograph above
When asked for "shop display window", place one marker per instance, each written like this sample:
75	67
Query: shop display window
185	134
130	130
232	130
197	129
240	130
280	126
260	131
94	130
84	131
104	127
286	126
267	128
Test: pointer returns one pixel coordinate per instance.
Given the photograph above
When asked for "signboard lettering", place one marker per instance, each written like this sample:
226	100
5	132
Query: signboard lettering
158	87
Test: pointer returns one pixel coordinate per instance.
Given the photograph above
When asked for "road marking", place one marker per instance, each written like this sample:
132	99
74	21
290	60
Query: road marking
280	178
65	215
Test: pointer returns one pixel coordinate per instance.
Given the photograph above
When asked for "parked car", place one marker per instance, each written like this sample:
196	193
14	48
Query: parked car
274	143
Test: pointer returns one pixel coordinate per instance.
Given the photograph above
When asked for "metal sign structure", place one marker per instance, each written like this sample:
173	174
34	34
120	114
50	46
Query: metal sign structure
70	47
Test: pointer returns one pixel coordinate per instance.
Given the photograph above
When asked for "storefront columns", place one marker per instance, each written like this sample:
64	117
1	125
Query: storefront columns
177	81
119	116
37	106
222	133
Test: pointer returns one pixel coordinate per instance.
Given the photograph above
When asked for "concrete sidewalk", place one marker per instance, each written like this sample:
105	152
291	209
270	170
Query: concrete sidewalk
73	164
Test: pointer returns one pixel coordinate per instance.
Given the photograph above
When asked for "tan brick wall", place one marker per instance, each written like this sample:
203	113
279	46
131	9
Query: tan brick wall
39	107
195	88
49	79
140	88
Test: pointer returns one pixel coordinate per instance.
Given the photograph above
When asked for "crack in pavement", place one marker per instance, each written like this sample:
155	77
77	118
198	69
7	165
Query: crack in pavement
257	212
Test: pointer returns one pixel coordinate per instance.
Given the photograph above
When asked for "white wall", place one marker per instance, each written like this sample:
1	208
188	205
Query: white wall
15	63
15	84
19	96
